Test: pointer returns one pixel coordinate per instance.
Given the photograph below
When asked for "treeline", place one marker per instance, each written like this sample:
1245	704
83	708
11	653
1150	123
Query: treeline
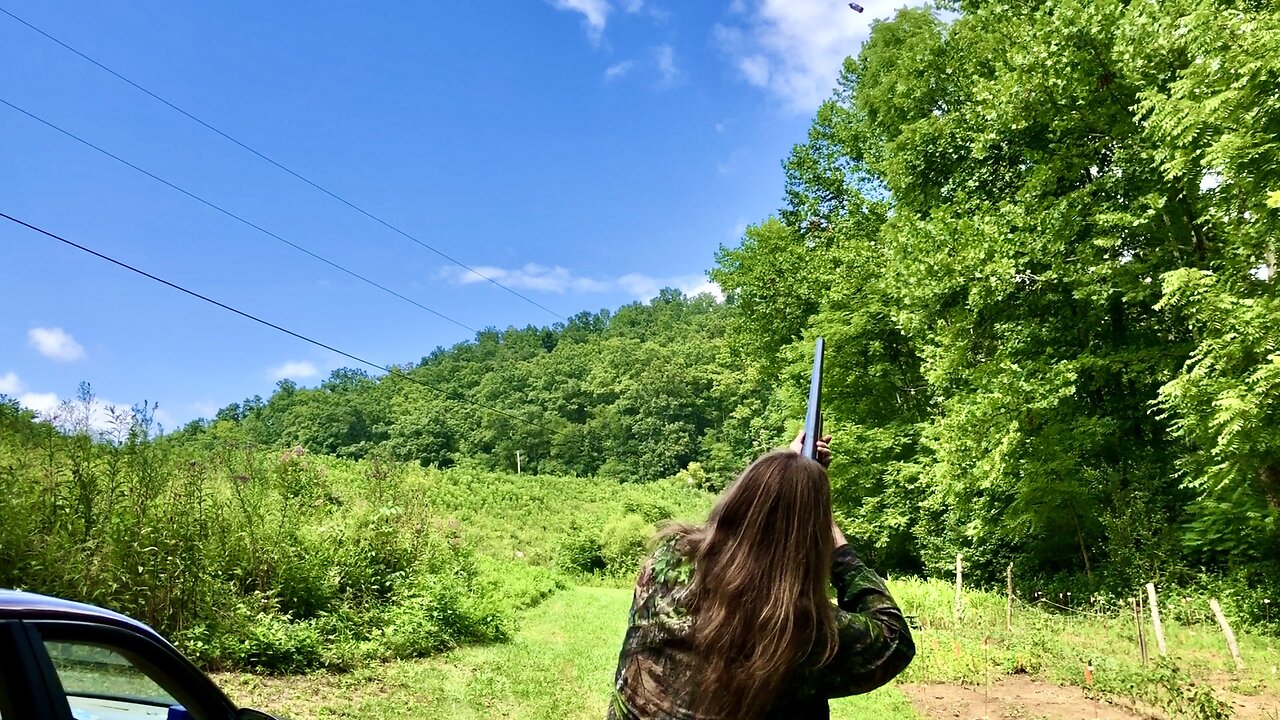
636	394
1041	242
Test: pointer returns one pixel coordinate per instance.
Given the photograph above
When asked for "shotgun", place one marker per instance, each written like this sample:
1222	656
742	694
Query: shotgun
813	416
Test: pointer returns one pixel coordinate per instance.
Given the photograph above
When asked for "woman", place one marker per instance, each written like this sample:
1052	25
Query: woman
732	620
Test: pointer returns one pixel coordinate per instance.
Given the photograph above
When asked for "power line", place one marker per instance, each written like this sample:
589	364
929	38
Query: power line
236	217
387	369
278	165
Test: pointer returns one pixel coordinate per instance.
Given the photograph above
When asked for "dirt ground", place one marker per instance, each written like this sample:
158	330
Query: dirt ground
1019	697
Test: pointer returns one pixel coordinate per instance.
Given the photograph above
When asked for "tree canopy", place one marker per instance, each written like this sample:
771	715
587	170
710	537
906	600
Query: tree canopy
1040	239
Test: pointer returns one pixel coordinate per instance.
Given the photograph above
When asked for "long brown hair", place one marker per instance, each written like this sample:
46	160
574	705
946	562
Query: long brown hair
762	564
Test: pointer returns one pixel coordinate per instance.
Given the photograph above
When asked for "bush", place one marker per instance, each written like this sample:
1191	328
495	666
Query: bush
510	586
579	551
281	645
439	613
623	542
259	641
694	475
615	549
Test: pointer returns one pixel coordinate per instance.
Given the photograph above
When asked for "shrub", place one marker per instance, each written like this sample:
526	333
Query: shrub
579	551
512	585
694	475
435	615
623	542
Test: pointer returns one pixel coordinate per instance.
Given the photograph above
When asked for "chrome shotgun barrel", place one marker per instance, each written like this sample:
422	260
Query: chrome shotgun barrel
813	416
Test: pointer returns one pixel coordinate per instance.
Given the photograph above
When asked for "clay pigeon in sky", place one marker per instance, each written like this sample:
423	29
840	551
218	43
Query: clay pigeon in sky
855	7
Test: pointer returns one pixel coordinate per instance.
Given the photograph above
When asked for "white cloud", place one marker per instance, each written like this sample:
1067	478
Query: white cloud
664	61
101	416
645	287
561	280
530	277
294	370
43	403
730	164
617	70
595	13
205	409
755	68
164	418
10	384
633	6
55	344
665	57
795	48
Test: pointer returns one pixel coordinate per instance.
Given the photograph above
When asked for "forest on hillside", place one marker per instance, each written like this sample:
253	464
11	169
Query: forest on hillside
1040	241
636	394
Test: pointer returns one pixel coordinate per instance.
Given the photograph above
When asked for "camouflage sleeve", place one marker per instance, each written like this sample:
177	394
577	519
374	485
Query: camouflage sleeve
875	642
618	709
644	585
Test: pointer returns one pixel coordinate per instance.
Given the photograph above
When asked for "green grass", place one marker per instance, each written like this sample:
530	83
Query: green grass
559	666
979	648
1056	646
505	515
561	662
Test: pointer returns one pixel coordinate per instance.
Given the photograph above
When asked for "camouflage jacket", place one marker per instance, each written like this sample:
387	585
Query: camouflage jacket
656	666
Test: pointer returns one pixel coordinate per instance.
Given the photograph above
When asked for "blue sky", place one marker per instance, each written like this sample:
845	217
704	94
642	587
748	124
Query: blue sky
584	152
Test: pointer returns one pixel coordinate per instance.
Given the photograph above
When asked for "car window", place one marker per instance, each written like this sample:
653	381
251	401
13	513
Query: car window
103	684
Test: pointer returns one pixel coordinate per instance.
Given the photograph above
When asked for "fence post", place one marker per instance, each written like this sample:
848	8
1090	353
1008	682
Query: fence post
1226	630
1142	630
1155	619
1137	622
1008	608
959	587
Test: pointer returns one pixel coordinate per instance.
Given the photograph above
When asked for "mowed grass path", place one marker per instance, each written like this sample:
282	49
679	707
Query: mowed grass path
559	666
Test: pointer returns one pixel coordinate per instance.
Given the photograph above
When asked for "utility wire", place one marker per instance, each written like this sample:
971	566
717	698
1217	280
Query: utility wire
280	166
387	369
234	216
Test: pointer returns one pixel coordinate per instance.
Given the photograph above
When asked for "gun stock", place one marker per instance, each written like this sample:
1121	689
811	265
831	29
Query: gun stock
813	415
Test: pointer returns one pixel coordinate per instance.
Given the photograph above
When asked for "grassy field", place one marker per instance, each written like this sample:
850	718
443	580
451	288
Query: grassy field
559	666
1058	645
560	662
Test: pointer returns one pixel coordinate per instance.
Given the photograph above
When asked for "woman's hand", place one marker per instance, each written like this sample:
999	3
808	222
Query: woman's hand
822	448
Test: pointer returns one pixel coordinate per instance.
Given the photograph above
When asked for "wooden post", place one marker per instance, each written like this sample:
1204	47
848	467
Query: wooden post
1137	622
959	587
1155	619
518	462
1008	607
1142	630
1226	630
